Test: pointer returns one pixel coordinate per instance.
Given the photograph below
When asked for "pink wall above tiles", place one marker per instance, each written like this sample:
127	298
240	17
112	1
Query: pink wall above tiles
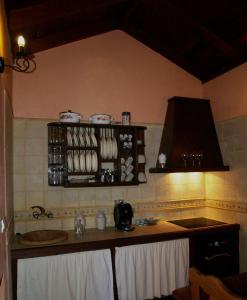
109	73
228	94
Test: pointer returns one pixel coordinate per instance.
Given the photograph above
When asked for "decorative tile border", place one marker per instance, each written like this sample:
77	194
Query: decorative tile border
227	205
61	213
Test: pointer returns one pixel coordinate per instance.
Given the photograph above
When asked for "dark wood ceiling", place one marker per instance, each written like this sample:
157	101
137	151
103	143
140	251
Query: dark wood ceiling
204	37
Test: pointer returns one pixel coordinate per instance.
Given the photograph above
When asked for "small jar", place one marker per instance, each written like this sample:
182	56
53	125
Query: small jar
126	118
79	224
100	220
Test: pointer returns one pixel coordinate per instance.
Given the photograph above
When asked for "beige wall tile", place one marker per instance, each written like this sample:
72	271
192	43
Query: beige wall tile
34	146
34	164
68	224
19	164
34	183
162	193
103	197
19	146
87	196
133	194
70	198
118	193
34	198
53	199
55	224
20	227
147	193
34	225
19	129
19	201
19	183
35	128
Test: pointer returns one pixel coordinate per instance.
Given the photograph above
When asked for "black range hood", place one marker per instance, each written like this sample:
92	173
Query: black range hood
189	138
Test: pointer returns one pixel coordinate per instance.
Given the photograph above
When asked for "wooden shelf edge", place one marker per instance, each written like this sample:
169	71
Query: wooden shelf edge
187	170
100	184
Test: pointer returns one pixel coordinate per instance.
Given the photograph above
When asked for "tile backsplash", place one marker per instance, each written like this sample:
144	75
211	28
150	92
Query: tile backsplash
31	187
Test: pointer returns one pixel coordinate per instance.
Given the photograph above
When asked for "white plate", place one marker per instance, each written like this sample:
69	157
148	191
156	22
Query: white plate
94	141
69	138
76	162
114	148
82	161
88	161
109	148
70	163
94	162
81	138
88	144
75	138
103	148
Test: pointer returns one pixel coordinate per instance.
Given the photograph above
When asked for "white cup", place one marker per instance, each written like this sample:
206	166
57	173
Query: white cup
129	161
129	169
129	177
141	158
142	177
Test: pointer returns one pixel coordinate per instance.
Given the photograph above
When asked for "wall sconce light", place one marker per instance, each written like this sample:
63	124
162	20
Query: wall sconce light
22	62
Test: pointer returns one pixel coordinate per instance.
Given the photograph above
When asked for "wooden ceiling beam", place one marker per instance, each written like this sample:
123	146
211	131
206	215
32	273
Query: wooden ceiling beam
50	11
70	35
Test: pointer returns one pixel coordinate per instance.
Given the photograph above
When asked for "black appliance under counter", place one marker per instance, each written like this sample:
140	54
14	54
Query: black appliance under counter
212	253
196	222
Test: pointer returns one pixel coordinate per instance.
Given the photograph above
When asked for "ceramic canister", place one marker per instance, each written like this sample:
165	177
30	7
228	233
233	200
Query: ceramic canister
100	220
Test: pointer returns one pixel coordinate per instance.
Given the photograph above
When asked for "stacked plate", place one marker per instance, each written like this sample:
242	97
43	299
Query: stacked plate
81	136
82	161
108	144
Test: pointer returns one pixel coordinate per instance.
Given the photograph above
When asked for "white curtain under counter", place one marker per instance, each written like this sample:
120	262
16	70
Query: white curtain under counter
77	276
151	270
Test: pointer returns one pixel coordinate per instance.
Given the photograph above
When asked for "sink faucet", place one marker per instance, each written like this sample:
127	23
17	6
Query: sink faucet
41	212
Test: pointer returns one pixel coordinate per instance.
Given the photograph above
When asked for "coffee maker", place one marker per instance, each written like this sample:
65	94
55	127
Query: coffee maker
123	215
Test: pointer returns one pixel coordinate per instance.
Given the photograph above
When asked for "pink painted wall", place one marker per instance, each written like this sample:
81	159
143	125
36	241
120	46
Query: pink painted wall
228	93
107	73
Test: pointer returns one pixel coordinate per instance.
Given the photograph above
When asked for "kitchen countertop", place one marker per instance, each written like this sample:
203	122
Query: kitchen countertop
110	237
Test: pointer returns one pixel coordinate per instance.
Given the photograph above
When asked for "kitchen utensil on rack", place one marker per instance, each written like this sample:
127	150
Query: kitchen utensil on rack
69	116
101	119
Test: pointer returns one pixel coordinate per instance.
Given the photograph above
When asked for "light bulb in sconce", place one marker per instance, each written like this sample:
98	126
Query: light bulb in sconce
162	160
21	41
22	61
